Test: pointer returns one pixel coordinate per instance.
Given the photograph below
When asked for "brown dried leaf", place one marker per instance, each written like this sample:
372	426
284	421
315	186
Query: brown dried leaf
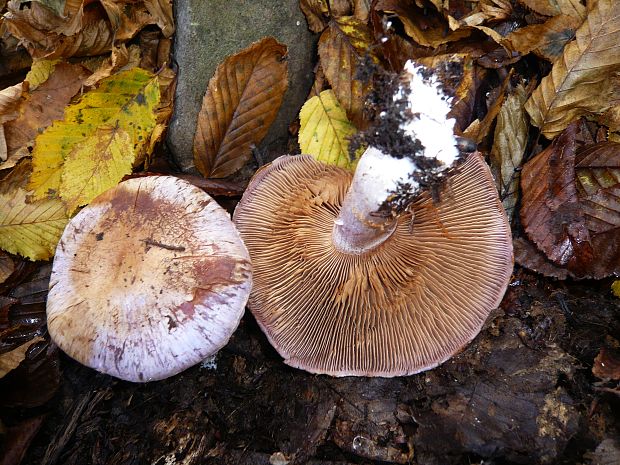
509	146
425	26
317	13
18	439
479	129
342	47
546	40
361	10
582	80
607	364
557	7
121	59
11	359
39	108
240	104
9	102
340	8
161	11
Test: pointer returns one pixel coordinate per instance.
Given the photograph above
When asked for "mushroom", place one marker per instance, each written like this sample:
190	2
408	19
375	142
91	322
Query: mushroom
341	288
148	280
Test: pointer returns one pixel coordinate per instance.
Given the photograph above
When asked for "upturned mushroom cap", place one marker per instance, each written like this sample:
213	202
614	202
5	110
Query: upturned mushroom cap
403	307
148	280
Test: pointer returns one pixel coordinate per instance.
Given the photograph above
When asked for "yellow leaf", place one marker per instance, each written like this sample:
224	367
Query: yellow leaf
29	229
615	287
40	71
325	130
582	80
95	165
126	102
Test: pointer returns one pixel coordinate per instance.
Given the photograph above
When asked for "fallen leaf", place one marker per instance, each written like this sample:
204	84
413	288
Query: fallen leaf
96	164
11	360
424	26
582	80
557	7
34	381
126	104
29	229
342	49
527	255
121	58
43	105
339	8
241	102
509	146
325	130
316	12
551	214
479	129
570	205
40	72
607	364
546	40
161	11
7	266
17	439
615	287
361	10
57	6
9	102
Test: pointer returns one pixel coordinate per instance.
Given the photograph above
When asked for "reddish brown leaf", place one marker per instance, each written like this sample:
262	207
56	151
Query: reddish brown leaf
551	213
527	255
240	104
7	266
571	205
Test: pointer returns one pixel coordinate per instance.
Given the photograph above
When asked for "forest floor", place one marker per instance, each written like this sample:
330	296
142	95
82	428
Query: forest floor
522	392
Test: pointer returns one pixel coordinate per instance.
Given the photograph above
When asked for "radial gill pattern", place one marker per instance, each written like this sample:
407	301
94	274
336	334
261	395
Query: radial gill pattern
405	306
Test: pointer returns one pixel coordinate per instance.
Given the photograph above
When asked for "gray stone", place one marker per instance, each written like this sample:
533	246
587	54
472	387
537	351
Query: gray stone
210	30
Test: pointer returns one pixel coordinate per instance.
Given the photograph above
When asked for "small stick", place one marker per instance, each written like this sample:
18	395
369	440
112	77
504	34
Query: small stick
163	246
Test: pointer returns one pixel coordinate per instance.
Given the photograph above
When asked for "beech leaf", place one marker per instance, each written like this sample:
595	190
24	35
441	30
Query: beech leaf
241	102
324	130
122	104
316	12
29	229
342	47
581	81
557	7
571	205
546	40
509	146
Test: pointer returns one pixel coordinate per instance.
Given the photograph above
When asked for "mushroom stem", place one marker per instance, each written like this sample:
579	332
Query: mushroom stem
360	226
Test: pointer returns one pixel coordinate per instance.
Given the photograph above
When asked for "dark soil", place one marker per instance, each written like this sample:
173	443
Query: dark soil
521	393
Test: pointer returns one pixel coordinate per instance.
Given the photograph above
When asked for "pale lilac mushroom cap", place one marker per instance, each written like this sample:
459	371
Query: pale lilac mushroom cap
148	280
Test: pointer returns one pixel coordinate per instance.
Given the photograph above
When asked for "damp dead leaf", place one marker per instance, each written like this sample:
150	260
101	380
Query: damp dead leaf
325	130
342	48
582	80
11	360
570	205
126	103
40	72
161	11
546	40
509	144
28	229
241	102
